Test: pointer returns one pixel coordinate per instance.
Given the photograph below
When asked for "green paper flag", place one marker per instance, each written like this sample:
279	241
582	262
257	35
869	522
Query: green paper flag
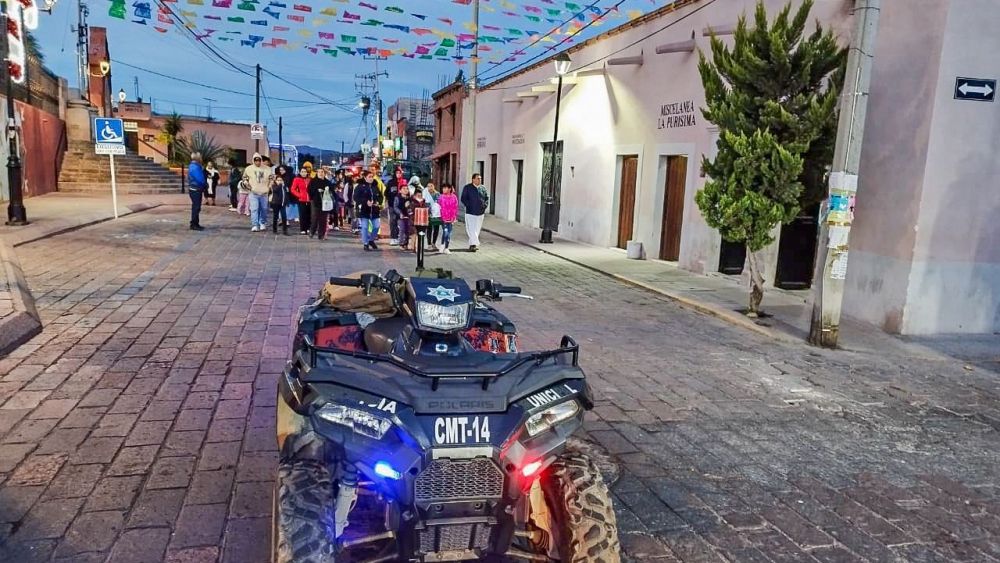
447	42
348	38
534	18
372	22
248	6
442	52
426	57
236	19
394	9
117	9
572	6
331	52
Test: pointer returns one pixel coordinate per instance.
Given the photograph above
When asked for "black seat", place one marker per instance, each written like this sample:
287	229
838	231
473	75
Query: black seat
380	335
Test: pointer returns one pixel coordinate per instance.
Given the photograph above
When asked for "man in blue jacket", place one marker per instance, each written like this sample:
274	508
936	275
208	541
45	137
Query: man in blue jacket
475	210
197	184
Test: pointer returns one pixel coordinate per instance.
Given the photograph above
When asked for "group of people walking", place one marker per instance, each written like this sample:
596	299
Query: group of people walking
318	201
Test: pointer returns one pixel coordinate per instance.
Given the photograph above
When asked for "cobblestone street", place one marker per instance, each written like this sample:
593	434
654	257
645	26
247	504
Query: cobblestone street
139	426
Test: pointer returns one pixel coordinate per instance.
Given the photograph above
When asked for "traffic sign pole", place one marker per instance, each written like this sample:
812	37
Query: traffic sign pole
114	185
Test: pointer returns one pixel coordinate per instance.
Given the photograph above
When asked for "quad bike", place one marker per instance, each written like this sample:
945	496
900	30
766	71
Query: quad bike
411	429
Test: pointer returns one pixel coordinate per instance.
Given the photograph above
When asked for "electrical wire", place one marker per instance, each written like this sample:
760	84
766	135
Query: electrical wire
553	47
609	55
551	31
310	92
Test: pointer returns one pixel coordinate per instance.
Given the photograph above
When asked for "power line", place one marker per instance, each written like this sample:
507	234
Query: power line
311	93
552	48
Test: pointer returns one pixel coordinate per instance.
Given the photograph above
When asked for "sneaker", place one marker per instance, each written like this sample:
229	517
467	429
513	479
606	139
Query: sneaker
393	242
233	209
446	251
473	248
304	233
374	246
254	229
197	228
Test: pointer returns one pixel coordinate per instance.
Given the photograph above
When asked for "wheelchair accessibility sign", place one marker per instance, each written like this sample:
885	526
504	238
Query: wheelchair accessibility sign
109	136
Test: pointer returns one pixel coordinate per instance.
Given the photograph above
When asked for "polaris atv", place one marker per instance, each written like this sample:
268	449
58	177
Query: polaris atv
411	429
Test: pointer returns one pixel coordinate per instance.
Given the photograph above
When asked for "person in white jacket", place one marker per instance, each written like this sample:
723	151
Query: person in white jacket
431	196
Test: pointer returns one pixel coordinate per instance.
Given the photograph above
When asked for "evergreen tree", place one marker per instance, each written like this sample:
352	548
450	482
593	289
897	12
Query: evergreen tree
773	96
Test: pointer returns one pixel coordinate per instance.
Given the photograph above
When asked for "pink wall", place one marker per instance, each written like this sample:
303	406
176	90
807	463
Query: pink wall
43	140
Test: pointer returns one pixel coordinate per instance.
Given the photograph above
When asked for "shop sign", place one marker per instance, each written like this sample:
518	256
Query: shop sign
481	143
517	139
677	114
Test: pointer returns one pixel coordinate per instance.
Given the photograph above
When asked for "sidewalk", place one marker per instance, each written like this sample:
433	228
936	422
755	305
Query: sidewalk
724	296
50	215
57	212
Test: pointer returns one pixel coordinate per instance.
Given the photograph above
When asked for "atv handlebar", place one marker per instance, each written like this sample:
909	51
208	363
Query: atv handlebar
347	282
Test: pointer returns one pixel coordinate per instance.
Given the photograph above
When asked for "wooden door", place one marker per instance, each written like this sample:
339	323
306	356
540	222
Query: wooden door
673	208
518	187
493	184
797	251
626	199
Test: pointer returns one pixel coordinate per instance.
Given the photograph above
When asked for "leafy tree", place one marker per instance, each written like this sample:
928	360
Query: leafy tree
773	95
173	126
199	142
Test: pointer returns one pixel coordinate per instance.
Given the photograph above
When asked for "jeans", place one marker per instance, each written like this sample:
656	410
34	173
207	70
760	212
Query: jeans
446	233
369	230
258	210
318	220
233	193
292	210
473	224
276	211
434	231
393	225
195	206
305	212
404	231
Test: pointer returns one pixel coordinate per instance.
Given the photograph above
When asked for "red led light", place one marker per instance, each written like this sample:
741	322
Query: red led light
531	468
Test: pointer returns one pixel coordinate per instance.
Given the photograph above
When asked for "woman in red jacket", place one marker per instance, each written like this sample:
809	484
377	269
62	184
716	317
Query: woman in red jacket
300	190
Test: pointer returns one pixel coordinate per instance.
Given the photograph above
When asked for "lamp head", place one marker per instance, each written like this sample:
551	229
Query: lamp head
562	62
122	96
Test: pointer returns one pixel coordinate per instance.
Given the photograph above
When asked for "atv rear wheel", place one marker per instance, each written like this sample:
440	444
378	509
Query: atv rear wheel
303	520
586	529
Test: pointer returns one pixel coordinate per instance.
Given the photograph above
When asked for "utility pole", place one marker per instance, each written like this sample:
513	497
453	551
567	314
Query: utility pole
469	129
209	100
16	213
835	213
82	38
370	81
135	81
256	118
281	140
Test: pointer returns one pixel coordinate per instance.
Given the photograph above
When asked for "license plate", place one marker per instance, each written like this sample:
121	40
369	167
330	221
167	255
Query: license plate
461	430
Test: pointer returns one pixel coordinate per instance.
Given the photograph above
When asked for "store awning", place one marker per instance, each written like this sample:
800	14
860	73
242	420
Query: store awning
437	155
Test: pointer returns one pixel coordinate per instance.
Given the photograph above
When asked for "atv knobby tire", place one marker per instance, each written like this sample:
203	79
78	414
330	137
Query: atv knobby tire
303	513
585	525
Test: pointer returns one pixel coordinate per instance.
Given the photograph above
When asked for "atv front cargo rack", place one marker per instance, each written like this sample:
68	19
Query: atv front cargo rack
567	346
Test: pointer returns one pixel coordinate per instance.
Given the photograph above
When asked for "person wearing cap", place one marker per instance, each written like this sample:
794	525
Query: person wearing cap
258	179
393	188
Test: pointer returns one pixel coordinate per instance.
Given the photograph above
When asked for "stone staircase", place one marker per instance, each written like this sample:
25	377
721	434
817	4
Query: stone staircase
85	172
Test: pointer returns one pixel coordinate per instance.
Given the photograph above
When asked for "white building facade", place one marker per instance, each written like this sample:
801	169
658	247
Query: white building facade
632	137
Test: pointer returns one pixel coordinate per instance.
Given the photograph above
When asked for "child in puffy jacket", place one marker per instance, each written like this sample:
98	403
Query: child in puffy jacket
449	214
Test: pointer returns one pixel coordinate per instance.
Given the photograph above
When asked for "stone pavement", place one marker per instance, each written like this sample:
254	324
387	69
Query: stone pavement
725	296
139	425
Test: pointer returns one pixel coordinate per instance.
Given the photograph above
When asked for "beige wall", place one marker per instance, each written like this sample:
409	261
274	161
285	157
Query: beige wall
927	258
605	117
233	135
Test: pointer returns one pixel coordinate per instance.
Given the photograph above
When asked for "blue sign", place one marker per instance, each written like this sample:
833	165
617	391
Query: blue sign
109	131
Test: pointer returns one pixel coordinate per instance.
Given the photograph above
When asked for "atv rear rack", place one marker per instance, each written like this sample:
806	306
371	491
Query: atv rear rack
567	346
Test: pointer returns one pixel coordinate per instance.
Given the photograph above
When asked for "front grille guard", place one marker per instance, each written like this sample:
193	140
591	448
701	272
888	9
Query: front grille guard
567	347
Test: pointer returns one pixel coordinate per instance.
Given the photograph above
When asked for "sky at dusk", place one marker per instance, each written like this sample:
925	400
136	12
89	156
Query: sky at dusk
300	38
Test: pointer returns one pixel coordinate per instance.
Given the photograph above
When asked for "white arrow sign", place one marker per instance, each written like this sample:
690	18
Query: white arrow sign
966	88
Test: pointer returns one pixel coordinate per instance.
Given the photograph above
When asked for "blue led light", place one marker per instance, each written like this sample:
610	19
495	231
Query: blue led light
383	469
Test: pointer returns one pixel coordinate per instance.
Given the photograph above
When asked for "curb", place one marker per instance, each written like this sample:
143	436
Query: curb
24	323
130	210
684	301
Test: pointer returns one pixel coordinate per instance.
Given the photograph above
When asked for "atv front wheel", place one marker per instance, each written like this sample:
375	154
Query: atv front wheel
303	520
586	529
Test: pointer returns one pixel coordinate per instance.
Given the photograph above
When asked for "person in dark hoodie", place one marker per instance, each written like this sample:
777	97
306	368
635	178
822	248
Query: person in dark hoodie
319	218
475	209
368	196
277	199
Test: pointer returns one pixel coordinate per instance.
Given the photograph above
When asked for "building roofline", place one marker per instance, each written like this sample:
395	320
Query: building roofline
446	90
655	14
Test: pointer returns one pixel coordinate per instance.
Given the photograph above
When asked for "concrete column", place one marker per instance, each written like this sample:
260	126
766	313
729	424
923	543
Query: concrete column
80	121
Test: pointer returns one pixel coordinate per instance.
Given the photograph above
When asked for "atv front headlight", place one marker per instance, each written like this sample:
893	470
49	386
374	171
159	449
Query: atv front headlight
360	421
551	416
442	317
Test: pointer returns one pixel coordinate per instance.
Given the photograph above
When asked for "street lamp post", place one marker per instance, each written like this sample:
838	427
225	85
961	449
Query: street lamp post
16	213
562	62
